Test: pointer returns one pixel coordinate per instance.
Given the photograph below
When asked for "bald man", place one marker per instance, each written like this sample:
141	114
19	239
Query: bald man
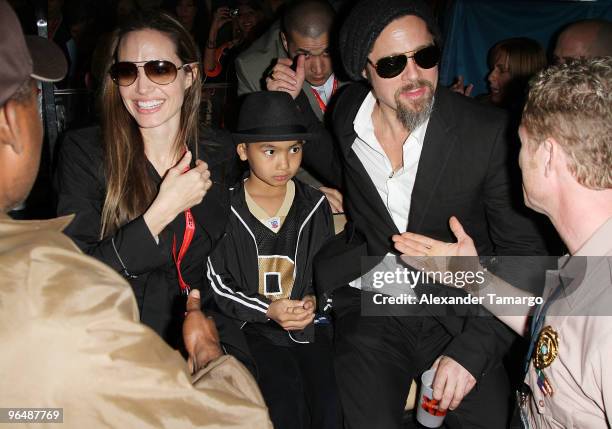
304	30
584	39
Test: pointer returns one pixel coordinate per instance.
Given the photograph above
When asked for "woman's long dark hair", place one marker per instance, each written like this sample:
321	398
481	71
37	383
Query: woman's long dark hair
130	190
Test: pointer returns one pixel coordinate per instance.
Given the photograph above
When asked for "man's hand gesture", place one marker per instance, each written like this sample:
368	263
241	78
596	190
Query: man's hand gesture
283	78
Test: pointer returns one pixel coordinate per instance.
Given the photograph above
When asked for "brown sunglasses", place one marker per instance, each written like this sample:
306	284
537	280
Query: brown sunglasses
161	72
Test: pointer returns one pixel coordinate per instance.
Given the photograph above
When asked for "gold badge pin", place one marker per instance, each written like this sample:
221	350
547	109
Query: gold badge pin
547	348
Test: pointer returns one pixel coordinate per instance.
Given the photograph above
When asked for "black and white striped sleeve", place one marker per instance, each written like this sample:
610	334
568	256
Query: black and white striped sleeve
228	295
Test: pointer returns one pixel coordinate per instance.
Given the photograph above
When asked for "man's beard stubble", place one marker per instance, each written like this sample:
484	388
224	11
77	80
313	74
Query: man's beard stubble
413	116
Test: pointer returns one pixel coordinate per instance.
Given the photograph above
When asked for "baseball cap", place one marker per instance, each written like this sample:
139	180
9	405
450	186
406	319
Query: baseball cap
22	56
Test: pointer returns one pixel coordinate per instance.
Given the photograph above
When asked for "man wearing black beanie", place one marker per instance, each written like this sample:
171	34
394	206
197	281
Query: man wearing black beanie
410	154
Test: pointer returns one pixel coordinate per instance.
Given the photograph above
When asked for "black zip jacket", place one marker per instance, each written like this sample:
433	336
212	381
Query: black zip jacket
233	270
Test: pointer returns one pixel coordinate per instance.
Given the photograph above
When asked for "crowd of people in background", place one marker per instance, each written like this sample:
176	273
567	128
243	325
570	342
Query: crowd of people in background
79	28
214	273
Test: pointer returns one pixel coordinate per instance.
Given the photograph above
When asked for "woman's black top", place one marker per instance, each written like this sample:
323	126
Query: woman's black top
149	267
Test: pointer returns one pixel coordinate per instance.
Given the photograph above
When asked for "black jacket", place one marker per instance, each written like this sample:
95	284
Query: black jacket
81	188
233	270
464	170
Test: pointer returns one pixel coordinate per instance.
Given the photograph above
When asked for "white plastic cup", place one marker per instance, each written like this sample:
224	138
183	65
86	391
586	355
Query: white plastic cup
427	411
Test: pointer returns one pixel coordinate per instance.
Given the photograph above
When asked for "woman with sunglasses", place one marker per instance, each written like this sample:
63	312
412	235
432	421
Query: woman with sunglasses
140	184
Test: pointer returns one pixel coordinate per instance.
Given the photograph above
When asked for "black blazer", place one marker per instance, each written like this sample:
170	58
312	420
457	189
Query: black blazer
81	188
464	170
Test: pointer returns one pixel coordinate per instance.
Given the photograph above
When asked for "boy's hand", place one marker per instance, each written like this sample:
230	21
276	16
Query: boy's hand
291	314
310	302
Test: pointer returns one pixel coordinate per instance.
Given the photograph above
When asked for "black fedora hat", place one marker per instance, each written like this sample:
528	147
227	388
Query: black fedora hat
270	116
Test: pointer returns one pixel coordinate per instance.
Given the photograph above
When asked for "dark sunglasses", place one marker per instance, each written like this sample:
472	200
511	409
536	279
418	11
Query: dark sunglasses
161	72
425	58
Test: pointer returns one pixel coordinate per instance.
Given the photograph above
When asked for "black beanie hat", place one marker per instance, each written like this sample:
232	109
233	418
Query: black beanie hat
367	20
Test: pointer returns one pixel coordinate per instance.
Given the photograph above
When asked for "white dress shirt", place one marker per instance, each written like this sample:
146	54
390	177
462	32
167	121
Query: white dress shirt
326	90
394	187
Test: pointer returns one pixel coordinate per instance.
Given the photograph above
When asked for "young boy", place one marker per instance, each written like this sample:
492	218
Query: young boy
261	270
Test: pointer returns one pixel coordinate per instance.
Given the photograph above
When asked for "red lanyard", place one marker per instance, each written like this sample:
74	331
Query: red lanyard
322	104
187	238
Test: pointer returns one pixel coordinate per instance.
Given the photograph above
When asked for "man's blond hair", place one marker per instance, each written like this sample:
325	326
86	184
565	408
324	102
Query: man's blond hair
573	104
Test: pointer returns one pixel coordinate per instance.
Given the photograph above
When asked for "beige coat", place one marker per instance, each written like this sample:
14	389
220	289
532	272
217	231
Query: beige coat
71	339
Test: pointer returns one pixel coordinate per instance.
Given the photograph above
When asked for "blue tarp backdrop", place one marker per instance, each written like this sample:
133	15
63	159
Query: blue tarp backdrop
474	26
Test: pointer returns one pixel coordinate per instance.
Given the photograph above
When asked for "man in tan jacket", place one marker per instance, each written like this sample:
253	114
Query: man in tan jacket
69	326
